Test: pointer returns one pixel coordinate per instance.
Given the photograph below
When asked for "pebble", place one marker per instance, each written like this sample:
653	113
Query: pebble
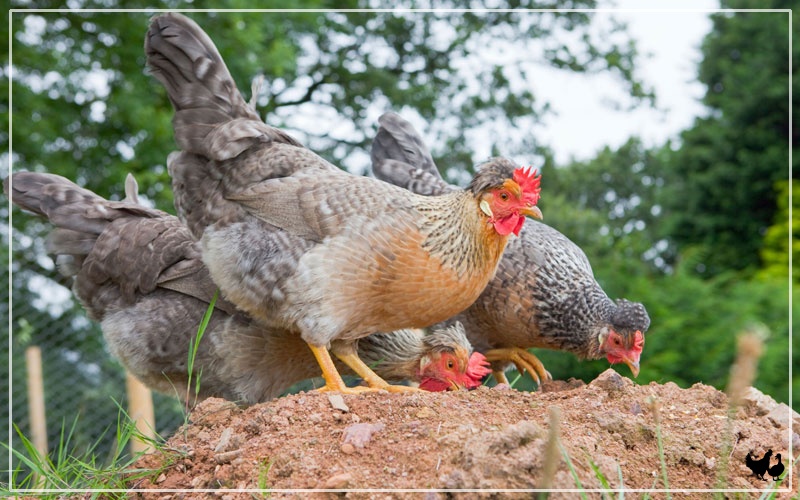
338	482
224	440
359	435
337	401
224	458
348	449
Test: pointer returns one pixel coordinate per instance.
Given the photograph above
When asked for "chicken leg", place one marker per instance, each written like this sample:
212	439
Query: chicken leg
347	353
333	381
522	359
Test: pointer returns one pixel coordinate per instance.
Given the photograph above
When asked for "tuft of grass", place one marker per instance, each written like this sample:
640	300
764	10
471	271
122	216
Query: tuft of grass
598	473
194	344
655	405
73	469
263	473
573	471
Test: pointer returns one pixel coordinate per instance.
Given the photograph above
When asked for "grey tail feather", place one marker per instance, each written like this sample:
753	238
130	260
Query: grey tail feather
212	118
131	189
35	192
398	140
411	178
399	156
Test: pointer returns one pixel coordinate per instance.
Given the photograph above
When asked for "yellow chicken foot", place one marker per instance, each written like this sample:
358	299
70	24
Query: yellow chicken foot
348	355
333	381
522	359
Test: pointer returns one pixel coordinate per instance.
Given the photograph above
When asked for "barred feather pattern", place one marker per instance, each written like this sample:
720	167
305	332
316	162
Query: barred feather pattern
543	294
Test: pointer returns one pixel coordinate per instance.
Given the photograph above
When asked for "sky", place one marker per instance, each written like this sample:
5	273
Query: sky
583	122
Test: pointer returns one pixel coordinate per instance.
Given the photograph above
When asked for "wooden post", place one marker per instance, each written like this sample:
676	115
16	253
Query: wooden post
140	409
33	363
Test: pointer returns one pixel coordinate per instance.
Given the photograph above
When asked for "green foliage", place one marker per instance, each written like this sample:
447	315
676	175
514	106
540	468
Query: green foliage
720	182
782	235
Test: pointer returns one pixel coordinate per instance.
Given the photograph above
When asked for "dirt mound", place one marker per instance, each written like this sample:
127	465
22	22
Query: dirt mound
494	438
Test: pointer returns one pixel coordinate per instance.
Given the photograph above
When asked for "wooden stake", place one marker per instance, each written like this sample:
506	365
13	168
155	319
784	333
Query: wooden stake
140	409
33	360
38	422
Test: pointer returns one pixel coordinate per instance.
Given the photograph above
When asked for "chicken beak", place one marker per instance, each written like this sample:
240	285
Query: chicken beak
633	365
532	211
455	386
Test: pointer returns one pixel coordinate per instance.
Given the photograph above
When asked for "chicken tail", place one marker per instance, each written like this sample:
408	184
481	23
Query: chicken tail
212	118
98	242
400	157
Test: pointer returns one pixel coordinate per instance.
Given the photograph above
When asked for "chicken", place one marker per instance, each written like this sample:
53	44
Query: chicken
544	293
301	245
139	272
760	466
776	470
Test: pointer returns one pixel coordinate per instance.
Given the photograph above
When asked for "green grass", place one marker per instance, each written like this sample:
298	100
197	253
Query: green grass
194	344
71	469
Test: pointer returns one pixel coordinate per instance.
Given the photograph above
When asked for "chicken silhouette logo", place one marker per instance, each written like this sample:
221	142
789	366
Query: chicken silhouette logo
762	465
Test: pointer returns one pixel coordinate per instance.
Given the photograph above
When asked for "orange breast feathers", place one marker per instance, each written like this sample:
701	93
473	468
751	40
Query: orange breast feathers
411	273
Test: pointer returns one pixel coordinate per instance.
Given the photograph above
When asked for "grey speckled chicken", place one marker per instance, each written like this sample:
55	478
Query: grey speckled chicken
302	245
139	272
544	293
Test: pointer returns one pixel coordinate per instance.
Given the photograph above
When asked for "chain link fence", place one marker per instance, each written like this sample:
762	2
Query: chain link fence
84	390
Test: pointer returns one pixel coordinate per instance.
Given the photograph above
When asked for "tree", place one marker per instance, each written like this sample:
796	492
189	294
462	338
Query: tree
720	191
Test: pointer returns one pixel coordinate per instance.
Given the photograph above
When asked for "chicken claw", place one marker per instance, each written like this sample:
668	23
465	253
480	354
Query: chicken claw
348	355
522	359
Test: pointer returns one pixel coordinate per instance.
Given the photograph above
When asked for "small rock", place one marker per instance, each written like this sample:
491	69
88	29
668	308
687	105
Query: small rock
502	387
161	478
610	381
338	482
348	449
795	441
780	415
758	401
228	456
359	435
337	401
224	440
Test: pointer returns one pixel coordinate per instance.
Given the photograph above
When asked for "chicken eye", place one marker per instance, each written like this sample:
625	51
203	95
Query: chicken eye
450	364
504	196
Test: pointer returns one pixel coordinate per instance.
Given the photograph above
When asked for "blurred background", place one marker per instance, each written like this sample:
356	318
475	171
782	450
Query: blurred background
663	136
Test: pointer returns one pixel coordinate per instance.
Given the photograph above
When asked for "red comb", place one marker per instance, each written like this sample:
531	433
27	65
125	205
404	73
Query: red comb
529	182
477	368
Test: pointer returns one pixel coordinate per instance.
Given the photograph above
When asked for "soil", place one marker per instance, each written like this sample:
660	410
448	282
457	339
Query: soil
488	439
